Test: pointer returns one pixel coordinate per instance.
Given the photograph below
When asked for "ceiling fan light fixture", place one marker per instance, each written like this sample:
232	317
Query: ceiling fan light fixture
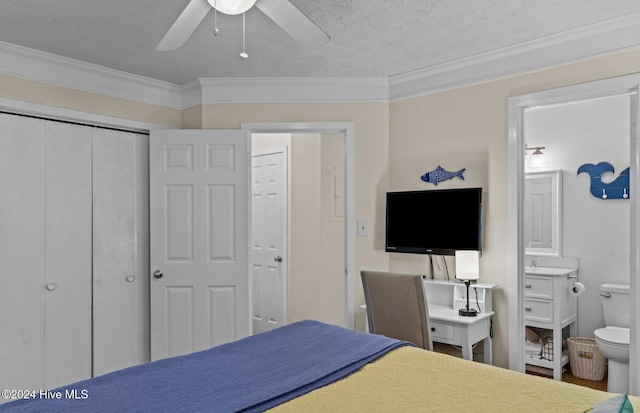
281	12
232	6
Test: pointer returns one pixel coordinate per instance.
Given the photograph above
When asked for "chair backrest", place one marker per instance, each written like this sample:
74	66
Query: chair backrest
397	307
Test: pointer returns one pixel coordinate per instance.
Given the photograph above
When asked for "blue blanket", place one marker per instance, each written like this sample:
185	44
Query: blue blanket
252	374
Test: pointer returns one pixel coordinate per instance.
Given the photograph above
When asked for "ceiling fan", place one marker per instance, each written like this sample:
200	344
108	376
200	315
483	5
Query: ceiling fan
282	12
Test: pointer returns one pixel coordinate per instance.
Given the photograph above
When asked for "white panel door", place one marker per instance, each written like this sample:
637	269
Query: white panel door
268	245
22	252
120	250
199	239
68	254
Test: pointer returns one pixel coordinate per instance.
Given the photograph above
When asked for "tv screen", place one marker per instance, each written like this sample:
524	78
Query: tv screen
434	222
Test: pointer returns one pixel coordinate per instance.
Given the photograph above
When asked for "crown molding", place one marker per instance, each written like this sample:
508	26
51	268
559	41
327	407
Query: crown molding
284	90
586	42
77	116
45	67
583	43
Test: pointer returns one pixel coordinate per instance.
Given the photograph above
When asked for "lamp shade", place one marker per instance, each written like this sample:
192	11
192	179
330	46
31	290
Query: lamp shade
537	159
467	265
232	6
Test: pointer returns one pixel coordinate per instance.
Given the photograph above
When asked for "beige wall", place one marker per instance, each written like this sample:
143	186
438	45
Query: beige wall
467	127
305	281
394	144
332	233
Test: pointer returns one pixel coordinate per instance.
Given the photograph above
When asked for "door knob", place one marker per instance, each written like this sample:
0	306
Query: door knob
277	259
157	274
51	286
130	278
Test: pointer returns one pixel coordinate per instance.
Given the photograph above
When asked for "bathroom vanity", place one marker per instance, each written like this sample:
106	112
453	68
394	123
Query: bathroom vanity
549	305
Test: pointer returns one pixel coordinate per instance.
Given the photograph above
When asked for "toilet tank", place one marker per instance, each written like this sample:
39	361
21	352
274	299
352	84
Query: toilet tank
616	304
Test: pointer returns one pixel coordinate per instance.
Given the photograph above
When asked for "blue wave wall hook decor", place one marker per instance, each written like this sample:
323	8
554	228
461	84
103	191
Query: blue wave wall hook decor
618	189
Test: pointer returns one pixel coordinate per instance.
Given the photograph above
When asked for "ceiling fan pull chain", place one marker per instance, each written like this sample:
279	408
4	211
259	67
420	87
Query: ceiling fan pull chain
243	54
215	19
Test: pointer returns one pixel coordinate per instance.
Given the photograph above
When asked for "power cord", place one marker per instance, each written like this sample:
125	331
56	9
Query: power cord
446	268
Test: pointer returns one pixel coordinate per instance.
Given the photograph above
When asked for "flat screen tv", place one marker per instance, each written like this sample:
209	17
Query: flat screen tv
434	222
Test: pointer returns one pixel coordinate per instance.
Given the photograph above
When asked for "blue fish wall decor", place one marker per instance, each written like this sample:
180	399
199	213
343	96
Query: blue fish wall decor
439	175
618	189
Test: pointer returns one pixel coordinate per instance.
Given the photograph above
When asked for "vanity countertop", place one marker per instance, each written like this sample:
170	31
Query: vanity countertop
549	271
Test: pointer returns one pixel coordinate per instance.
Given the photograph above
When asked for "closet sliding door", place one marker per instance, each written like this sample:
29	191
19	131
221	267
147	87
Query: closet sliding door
120	250
74	260
22	252
45	244
68	265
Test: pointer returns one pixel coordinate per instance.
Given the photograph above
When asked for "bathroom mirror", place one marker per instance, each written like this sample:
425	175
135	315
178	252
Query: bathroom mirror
543	213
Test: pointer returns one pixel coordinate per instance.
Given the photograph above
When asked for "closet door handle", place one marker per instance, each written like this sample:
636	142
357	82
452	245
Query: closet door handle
527	309
130	278
157	274
51	286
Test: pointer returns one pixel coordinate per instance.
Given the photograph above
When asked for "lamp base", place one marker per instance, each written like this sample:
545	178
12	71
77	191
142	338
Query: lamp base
467	312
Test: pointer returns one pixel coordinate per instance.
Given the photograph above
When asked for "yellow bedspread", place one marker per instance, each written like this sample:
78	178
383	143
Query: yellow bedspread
409	379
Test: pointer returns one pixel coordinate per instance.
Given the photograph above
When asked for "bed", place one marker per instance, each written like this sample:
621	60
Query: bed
310	366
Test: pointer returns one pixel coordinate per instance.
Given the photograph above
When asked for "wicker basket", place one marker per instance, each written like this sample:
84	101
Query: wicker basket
585	358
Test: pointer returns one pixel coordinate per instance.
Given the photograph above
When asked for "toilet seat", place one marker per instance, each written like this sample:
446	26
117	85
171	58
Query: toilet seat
615	336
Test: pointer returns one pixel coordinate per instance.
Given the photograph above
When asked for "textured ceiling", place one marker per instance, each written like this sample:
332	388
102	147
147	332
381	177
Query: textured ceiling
369	38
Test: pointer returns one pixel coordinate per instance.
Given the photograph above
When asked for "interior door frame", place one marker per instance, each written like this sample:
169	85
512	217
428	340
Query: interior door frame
517	105
348	129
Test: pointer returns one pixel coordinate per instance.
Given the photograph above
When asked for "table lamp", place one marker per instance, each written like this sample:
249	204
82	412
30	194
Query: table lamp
467	269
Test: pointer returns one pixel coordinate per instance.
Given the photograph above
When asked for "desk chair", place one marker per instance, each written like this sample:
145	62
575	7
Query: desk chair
397	307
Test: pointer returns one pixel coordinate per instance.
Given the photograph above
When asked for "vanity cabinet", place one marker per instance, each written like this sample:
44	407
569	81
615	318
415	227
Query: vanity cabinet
549	305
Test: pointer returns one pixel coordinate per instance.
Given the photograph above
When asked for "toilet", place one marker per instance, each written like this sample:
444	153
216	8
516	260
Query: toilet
613	340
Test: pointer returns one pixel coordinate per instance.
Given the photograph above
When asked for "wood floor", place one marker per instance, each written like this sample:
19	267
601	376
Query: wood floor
570	378
598	385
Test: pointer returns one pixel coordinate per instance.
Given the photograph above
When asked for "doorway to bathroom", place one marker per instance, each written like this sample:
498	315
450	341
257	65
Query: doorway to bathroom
578	126
577	137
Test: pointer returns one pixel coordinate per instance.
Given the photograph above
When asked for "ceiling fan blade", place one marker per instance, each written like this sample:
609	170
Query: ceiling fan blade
294	22
184	26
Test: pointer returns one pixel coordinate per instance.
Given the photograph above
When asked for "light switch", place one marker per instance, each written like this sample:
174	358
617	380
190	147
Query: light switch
363	227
